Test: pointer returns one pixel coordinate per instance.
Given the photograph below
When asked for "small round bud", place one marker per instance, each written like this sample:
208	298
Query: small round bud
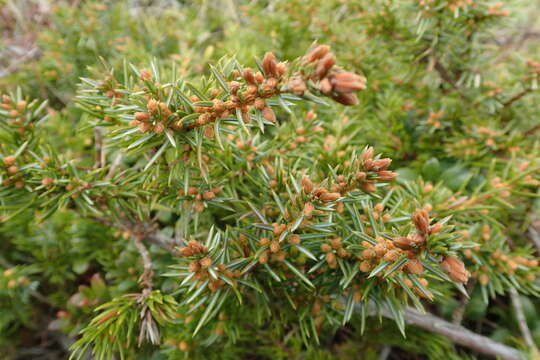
9	160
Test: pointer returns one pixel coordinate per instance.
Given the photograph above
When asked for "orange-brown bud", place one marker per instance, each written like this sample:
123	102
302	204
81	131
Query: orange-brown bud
263	258
327	197
307	185
347	99
391	256
279	229
274	247
331	259
145	75
9	160
437	228
269	64
380	249
198	206
21	105
12	170
369	187
47	181
308	210
381	164
368	254
259	78
420	219
455	269
281	68
368	154
297	86
144	127
318	53
415	267
484	279
194	266
185	251
365	266
403	243
259	104
294	239
386	175
336	243
325	86
152	105
248	76
347	82
326	248
209	195
269	114
159	128
324	65
206	262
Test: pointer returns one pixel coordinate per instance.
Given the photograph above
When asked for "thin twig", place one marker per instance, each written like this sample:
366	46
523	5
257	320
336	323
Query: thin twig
146	278
457	316
100	153
445	75
116	162
535	238
31	54
522	321
516	97
385	352
152	235
532	130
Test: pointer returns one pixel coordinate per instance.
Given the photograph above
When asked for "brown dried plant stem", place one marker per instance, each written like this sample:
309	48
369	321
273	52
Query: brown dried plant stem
457	334
522	321
458	314
146	278
100	153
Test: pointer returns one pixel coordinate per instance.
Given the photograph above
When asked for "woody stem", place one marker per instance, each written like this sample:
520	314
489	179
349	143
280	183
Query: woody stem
147	275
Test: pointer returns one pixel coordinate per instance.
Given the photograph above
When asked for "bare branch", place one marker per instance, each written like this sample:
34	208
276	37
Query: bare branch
535	238
445	75
100	153
532	130
457	316
116	162
457	334
522	321
31	54
146	278
516	97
